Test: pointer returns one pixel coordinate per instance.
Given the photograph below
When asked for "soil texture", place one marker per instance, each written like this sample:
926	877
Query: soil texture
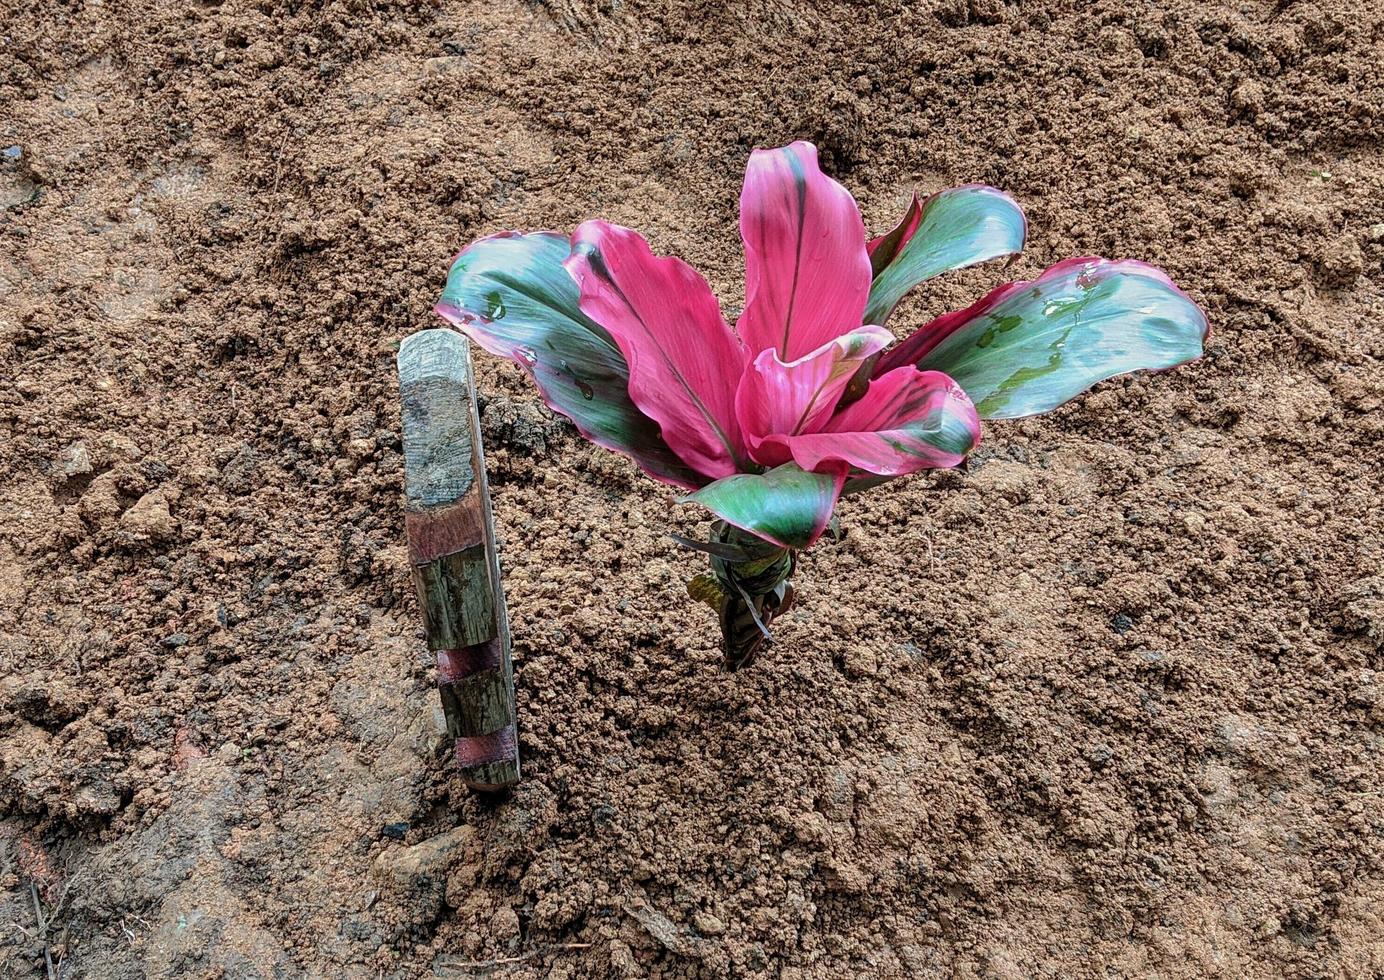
1108	703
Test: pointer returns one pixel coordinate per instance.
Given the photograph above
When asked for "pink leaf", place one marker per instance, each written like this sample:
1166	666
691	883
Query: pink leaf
908	420
684	361
800	396
884	249
807	274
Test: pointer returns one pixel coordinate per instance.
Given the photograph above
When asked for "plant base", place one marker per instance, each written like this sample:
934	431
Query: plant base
754	589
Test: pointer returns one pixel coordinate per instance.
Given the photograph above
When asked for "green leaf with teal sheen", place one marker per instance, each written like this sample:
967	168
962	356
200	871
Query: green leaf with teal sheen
1028	347
786	506
959	227
511	295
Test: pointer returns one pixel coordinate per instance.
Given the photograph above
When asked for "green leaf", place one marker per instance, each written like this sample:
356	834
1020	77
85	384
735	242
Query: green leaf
786	506
705	588
511	295
957	228
1028	347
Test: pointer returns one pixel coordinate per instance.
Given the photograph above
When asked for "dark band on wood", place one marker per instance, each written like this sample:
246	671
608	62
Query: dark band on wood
453	665
475	750
485	708
490	775
452	551
443	531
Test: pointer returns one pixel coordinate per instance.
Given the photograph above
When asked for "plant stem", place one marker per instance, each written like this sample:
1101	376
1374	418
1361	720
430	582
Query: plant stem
757	590
42	931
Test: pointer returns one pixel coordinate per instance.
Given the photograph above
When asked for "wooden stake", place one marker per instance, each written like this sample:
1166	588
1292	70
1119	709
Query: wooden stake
451	540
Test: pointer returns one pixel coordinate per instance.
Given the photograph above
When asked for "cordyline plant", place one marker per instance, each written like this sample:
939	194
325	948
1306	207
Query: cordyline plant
769	423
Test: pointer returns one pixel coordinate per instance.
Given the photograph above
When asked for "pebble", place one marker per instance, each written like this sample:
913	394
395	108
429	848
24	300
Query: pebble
50	703
658	926
75	460
707	924
149	519
1342	262
1248	98
408	866
417	874
859	661
98	797
1098	754
99	504
241	473
504	924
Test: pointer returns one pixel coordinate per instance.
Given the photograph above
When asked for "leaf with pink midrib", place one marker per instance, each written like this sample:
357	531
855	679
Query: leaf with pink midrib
684	360
908	420
511	295
800	396
807	274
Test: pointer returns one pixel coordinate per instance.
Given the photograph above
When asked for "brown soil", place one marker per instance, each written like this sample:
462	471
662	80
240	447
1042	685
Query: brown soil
1110	703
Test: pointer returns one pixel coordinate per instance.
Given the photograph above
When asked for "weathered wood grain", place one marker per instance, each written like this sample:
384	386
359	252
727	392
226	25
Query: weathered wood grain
457	599
452	551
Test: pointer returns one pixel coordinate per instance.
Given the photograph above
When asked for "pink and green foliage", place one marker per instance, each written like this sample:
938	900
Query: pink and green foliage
767	421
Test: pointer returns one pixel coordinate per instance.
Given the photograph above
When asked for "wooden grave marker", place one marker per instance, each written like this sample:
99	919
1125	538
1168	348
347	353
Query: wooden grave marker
451	541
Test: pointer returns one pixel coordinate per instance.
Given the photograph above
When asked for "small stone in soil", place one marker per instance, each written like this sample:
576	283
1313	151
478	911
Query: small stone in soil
75	460
395	831
49	705
1099	754
417	874
707	924
241	474
1341	262
149	520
